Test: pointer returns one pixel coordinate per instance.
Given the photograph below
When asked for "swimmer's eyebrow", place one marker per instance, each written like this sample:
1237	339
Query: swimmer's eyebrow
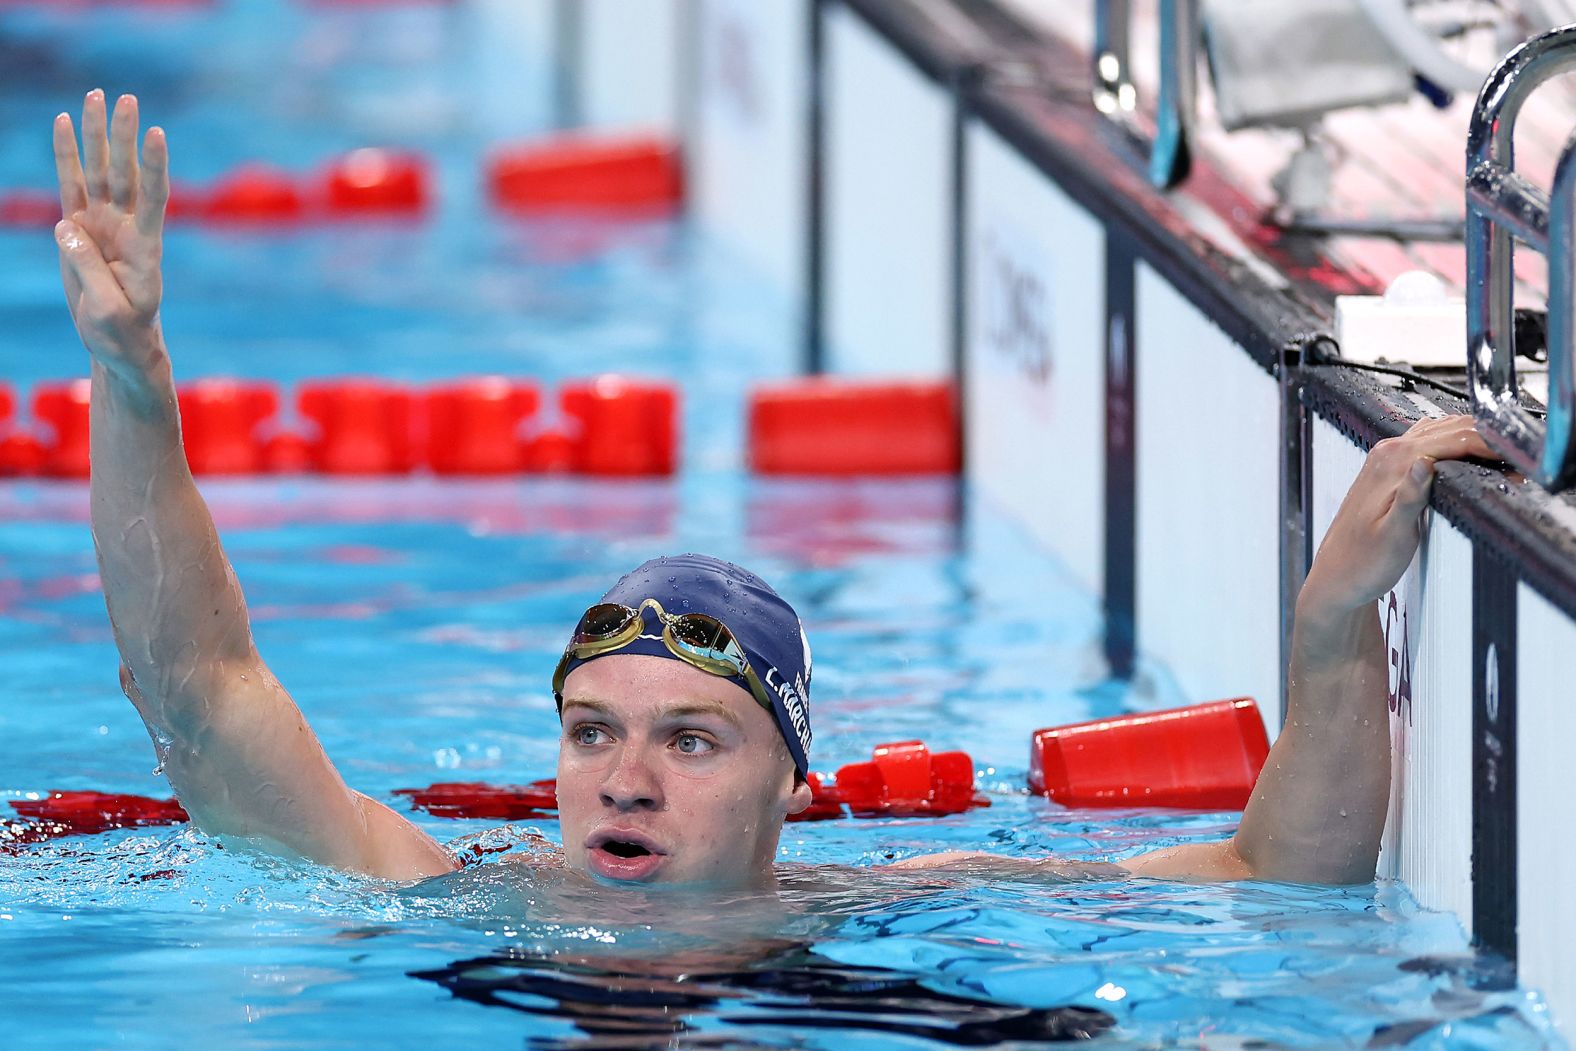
685	711
682	710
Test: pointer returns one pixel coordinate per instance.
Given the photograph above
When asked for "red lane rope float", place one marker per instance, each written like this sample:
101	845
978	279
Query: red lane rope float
613	426
375	181
253	193
21	453
220	420
902	779
828	426
364	426
587	174
625	426
63	409
85	813
367	182
473	427
474	799
1204	757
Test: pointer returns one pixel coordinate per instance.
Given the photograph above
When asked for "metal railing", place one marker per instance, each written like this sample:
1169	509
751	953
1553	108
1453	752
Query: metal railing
1170	153
1501	205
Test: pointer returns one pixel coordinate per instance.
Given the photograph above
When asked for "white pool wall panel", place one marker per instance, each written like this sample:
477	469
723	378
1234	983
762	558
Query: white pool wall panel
748	155
1034	371
631	64
1545	787
1208	510
512	65
888	207
1428	638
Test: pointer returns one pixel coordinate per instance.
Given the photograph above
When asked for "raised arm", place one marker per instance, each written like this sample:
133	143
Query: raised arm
1318	809
232	742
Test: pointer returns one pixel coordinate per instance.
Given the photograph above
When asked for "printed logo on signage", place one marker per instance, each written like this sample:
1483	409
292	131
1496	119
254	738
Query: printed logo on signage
1015	309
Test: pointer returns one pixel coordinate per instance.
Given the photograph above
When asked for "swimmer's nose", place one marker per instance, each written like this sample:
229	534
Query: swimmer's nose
631	783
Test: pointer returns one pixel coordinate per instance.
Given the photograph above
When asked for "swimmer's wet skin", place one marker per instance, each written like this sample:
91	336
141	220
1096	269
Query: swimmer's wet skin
684	744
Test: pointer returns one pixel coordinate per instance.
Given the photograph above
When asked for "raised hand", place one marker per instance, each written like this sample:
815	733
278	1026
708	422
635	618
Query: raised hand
112	230
1375	534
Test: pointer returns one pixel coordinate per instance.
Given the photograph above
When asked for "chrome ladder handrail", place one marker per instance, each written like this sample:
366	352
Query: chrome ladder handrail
1170	153
1501	204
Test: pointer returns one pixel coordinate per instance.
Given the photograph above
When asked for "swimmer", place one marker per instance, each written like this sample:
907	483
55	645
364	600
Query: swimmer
683	694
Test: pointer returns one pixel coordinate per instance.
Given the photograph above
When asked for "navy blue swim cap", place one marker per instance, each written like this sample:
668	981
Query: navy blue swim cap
766	627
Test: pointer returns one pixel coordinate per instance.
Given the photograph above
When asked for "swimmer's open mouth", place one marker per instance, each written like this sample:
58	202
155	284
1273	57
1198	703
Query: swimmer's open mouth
623	843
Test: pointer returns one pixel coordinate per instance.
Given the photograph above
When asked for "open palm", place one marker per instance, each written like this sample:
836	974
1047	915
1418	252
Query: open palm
111	233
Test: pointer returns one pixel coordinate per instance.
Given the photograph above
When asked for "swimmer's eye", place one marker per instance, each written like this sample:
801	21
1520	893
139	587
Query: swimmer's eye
588	734
693	744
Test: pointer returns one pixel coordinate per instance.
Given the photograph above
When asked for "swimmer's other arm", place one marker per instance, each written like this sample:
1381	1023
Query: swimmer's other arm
1318	809
231	740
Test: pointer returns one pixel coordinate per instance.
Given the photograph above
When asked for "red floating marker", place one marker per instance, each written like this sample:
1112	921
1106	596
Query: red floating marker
71	813
64	408
473	427
585	174
475	799
363	426
828	426
377	181
255	194
220	421
1204	757
903	779
286	453
626	427
29	208
550	452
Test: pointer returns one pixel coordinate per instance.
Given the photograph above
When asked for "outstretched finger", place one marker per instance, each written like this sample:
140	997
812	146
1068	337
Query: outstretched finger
95	145
68	168
123	153
155	183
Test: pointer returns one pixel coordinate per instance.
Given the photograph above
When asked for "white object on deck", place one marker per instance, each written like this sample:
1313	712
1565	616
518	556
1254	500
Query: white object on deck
1416	321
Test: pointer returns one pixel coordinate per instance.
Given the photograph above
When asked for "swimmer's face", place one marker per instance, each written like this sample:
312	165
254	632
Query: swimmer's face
669	775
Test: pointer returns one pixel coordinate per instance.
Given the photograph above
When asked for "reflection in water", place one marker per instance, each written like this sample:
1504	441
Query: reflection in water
676	1001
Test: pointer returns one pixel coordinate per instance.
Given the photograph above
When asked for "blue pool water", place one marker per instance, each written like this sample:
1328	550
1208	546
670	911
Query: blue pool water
416	622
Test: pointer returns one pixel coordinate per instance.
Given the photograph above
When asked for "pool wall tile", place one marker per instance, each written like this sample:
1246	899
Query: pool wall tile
888	187
748	157
1545	906
1207	533
1033	381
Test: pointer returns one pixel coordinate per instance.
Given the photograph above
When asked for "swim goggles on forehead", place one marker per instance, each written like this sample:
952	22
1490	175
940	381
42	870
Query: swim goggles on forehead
695	638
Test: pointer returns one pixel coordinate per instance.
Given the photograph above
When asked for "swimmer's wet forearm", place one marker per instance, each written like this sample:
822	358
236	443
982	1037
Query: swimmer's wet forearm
1318	810
231	740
